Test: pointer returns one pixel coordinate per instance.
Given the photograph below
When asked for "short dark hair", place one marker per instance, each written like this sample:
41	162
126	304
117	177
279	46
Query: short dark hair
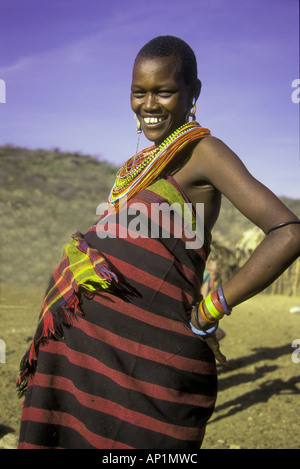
166	46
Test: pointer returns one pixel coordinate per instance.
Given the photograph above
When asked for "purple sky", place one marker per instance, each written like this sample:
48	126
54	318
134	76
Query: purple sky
67	68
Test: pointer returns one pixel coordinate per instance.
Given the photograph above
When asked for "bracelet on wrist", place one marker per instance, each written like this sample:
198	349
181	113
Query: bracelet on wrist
201	331
216	305
204	332
211	308
226	310
203	313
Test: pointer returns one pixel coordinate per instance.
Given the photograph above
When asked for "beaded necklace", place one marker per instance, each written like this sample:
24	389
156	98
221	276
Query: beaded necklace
143	168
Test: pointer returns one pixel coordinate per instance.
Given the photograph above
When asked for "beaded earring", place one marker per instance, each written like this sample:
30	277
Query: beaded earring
192	113
139	131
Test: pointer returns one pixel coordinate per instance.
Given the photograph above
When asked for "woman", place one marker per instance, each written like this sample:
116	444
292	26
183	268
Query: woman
124	352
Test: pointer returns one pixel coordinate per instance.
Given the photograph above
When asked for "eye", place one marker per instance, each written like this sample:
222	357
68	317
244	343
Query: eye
165	93
138	93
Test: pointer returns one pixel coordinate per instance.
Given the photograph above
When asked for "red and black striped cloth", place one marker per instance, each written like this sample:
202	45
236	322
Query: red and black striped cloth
128	373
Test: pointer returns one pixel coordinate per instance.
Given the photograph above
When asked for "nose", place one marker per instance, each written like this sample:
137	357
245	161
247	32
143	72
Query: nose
150	103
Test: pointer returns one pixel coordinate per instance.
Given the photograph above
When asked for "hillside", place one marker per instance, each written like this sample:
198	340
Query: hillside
45	196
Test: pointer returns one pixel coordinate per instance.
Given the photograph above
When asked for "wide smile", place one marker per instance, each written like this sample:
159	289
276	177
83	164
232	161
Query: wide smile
154	121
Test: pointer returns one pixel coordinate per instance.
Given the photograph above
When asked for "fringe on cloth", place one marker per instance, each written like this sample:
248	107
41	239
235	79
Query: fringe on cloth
82	269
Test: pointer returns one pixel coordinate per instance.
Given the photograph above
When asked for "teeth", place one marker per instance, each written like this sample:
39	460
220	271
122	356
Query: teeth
153	120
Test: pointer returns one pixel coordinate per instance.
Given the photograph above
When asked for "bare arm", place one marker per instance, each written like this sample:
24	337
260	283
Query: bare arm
215	162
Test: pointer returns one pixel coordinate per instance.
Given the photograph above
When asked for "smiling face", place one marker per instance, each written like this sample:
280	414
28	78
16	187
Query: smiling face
159	96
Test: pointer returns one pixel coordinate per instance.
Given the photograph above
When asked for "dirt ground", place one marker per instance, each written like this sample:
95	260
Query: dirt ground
258	405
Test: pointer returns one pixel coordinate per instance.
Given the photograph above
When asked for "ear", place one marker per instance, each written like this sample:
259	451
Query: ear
196	89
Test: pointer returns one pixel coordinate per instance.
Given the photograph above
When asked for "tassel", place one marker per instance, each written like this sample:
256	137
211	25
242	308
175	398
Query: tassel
77	273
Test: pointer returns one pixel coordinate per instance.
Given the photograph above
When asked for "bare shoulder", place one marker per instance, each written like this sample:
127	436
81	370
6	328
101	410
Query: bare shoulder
212	159
213	147
211	142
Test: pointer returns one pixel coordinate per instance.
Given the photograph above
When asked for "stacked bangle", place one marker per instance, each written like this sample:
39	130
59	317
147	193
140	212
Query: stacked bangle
226	310
211	308
202	331
203	313
216	304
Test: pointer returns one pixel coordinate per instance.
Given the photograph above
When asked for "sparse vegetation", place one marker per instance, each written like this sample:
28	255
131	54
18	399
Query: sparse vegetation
45	196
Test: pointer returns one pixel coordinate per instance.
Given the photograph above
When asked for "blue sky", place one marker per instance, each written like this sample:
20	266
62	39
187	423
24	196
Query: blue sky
67	68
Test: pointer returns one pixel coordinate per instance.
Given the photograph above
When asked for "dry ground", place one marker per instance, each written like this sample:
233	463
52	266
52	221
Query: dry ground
258	406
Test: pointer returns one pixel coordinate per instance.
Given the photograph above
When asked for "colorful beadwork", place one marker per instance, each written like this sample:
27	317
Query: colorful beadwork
144	167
